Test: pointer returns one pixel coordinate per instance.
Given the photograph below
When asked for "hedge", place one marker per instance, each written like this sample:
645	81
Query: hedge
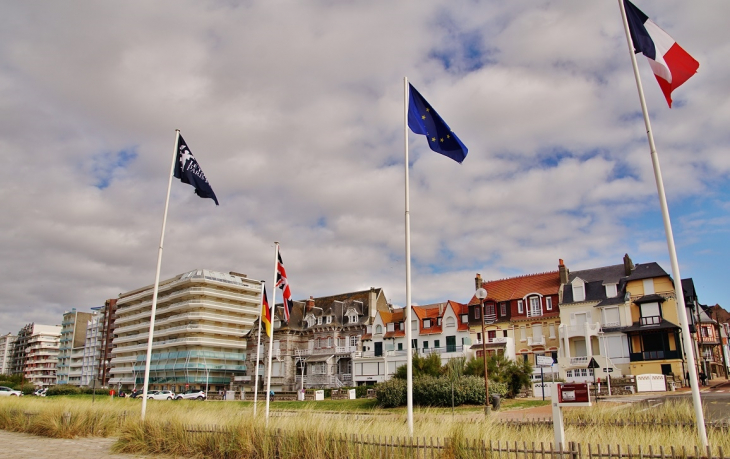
436	391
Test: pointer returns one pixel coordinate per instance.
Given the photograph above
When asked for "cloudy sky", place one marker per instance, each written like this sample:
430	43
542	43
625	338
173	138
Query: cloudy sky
295	113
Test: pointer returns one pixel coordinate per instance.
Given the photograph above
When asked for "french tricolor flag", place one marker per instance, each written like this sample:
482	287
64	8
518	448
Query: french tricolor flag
671	64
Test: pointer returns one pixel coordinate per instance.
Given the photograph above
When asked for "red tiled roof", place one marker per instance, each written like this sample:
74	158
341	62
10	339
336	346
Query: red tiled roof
517	287
459	310
430	311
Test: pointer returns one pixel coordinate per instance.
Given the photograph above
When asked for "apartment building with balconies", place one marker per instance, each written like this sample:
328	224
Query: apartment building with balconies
91	357
71	346
594	311
200	321
521	316
6	348
108	314
316	348
35	354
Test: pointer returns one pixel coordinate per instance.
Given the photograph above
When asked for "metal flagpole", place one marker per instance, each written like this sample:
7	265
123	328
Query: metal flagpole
271	338
157	282
681	310
409	355
258	349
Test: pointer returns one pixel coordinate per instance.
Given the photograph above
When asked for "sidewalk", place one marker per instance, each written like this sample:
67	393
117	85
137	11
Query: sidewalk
713	385
25	446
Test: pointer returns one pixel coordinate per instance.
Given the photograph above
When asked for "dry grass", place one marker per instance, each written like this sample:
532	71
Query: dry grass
309	433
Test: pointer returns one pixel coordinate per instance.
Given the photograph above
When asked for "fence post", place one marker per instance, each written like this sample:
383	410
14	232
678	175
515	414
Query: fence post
66	418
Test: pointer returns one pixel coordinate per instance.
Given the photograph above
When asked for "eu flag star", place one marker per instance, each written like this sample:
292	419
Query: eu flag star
433	139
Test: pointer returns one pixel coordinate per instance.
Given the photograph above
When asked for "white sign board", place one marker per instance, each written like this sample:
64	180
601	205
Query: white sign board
319	395
351	394
544	360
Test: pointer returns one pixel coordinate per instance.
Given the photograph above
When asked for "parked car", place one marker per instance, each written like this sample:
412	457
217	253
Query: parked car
136	394
6	392
41	392
191	394
160	395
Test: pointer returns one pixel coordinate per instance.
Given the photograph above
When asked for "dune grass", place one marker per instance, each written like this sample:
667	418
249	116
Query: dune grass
230	430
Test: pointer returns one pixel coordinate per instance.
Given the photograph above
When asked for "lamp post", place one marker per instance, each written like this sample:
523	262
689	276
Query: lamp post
481	294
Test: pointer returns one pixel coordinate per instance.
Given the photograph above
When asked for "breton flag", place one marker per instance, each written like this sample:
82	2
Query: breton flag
188	171
283	283
423	119
266	313
671	64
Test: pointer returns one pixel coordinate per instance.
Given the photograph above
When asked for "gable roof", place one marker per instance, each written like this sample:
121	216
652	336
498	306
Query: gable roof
595	280
646	271
547	283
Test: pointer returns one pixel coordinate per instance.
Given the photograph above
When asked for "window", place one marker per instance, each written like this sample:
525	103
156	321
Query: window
414	344
537	332
414	325
438	321
579	293
648	286
378	329
329	319
611	291
611	317
436	344
426	323
319	320
401	326
503	308
353	340
465	319
425	344
450	322
535	306
548	303
569	373
352	318
477	312
523	333
391	327
316	343
650	310
329	342
520	307
552	330
400	346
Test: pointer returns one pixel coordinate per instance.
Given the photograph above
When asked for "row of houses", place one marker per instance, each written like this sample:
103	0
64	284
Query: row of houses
621	319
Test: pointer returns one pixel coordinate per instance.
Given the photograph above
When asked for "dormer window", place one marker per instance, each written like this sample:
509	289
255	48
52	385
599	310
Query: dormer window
310	320
329	319
465	318
401	326
579	292
426	323
548	303
438	321
391	327
611	291
378	329
520	307
319	320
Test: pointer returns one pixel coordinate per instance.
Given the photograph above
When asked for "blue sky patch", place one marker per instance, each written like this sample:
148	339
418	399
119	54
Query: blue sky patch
104	165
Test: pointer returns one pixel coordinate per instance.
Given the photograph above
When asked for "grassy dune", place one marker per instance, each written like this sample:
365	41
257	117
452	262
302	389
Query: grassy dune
304	430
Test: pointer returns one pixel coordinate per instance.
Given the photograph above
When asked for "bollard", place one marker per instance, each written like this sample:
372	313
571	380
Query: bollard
66	418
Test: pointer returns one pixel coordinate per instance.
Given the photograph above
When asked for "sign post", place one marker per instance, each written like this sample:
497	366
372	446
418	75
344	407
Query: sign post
544	361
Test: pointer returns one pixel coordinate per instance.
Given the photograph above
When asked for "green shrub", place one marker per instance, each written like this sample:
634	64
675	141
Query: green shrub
391	393
422	366
63	389
26	388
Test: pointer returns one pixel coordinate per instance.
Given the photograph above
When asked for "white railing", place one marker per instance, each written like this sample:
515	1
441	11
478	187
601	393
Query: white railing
580	330
579	361
532	341
329	350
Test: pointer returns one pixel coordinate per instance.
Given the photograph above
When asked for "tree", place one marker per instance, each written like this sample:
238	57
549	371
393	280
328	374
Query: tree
422	366
514	374
454	369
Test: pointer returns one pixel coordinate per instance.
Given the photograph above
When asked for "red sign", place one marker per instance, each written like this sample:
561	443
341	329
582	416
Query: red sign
573	393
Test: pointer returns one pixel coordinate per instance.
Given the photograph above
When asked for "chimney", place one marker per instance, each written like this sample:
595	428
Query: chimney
478	282
628	265
310	303
564	272
441	309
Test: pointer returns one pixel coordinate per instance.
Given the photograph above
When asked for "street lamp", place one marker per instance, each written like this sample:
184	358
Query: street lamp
481	294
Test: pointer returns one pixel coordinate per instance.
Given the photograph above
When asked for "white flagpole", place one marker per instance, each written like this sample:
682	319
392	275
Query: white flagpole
681	310
157	282
258	350
409	355
271	338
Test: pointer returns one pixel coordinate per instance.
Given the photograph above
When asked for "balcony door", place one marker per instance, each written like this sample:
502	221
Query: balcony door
378	349
580	347
451	344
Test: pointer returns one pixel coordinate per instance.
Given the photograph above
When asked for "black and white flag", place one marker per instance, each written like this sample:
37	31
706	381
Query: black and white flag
188	171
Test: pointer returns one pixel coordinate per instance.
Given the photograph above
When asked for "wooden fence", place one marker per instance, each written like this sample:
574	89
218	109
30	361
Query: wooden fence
368	446
548	422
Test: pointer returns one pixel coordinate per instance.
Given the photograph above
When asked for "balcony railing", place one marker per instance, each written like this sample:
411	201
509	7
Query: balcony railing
579	361
653	355
532	341
580	330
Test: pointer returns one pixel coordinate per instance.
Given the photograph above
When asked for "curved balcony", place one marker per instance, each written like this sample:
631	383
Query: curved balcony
187	317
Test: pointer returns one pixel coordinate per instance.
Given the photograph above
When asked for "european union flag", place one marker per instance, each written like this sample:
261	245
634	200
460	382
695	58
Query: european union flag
188	171
423	119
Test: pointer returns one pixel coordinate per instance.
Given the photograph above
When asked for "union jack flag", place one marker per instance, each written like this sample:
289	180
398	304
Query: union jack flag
283	283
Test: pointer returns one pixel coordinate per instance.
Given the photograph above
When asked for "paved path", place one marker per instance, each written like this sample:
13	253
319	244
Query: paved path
14	445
